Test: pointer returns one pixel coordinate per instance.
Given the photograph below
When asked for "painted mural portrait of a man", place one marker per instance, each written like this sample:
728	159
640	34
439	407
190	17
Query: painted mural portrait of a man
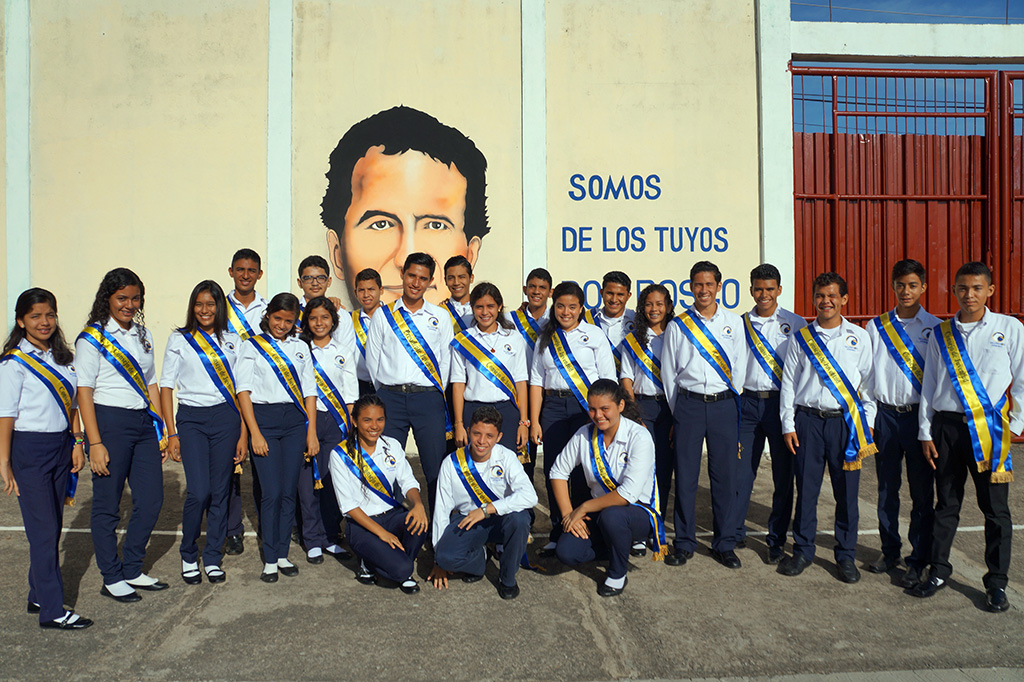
399	182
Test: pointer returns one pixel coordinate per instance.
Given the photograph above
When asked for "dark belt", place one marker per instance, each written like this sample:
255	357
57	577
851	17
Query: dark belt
560	392
823	414
408	388
706	397
899	409
641	396
763	395
953	416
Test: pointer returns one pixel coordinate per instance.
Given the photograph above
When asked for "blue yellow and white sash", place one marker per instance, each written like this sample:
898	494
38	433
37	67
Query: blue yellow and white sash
591	316
331	397
901	348
763	352
988	424
860	444
706	344
415	345
215	363
283	368
58	387
366	470
128	367
603	474
457	324
360	329
567	366
69	493
644	358
237	321
527	327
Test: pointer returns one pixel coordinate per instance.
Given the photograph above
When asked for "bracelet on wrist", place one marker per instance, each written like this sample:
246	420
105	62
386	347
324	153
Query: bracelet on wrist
173	435
92	445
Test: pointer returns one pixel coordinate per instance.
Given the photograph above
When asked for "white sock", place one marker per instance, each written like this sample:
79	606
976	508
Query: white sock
639	545
333	549
363	569
408	582
284	563
615	583
143	579
939	581
120	588
315	552
550	545
499	548
189	567
68	617
213	569
270	568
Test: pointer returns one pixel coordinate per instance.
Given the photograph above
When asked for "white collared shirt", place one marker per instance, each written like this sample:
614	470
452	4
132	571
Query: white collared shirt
352	493
615	328
254	311
362	373
778	330
183	370
506	345
26	398
339	364
630	461
541	321
801	385
110	388
890	385
682	365
464	312
588	345
996	348
503	474
255	374
388	361
642	384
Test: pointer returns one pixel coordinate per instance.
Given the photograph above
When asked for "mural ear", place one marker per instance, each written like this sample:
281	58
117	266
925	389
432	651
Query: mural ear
335	255
473	250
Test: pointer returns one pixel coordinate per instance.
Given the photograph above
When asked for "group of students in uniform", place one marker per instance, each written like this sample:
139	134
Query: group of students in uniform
323	399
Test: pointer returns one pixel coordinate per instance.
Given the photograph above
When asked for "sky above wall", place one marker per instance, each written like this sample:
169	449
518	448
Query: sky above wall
911	11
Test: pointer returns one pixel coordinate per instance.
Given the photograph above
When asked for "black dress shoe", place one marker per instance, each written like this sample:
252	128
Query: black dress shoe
289	571
996	601
366	578
727	558
125	598
192	577
638	549
508	591
409	587
342	555
32	607
677	558
741	544
216	576
296	537
605	591
469	578
848	572
155	587
269	577
234	545
775	555
883	564
795	565
77	624
911	577
318	559
927	588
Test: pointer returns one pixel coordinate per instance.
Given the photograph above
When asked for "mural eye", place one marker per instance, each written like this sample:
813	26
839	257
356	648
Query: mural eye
379	225
435	225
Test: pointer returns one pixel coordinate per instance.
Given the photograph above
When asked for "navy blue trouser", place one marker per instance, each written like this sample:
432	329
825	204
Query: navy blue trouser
424	414
41	463
319	516
760	423
380	557
956	458
613	531
823	443
135	457
284	428
716	423
658	420
560	418
462	551
208	436
896	438
235	526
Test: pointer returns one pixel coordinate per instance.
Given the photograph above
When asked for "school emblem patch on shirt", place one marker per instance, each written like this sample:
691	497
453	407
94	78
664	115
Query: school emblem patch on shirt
851	342
785	328
497	472
339	360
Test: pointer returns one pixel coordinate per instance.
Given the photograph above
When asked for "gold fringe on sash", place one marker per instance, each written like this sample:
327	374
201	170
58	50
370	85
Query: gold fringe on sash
238	468
69	502
866	451
660	556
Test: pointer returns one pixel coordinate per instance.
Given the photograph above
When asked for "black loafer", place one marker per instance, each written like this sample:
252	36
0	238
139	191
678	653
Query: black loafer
927	588
125	599
508	591
192	577
343	555
155	587
32	607
409	589
235	544
638	550
741	544
605	591
775	555
318	559
269	577
996	601
848	572
795	565
216	576
677	558
883	564
78	624
911	577
366	578
470	578
289	571
727	558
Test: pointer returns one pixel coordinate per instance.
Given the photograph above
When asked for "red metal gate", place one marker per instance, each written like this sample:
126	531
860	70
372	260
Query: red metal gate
892	164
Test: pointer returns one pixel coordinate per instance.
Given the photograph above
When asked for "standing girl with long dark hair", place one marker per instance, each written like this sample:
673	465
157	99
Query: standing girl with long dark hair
38	453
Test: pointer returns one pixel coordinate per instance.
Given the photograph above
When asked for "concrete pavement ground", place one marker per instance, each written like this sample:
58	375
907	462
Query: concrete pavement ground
700	620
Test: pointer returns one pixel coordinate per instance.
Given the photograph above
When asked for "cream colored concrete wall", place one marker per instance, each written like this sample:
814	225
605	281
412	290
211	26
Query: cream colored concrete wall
148	146
659	88
3	174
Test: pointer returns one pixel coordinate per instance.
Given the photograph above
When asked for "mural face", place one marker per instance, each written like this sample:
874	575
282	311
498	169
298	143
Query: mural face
401	182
